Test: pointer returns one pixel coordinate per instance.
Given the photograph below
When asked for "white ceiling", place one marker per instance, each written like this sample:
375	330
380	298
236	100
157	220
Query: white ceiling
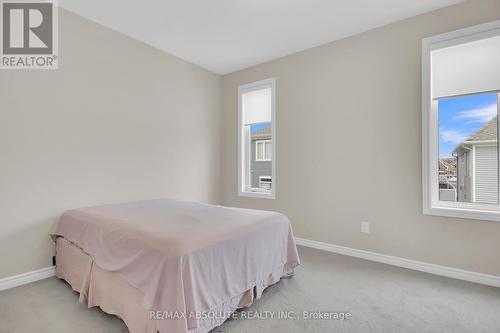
227	35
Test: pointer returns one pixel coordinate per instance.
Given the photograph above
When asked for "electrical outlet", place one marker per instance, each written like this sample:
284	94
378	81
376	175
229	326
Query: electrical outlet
365	227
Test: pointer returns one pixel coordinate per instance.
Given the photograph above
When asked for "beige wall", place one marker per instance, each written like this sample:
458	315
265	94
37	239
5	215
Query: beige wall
123	121
349	144
118	121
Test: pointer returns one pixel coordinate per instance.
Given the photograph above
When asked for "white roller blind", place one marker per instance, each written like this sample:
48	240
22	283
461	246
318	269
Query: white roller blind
257	106
466	68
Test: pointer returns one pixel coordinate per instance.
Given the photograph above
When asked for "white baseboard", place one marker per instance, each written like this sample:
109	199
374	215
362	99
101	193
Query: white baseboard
455	273
25	278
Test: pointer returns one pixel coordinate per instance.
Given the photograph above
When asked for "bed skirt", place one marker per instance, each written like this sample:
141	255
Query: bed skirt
114	295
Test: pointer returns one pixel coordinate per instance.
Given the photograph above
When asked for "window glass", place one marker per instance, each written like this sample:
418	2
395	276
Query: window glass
261	165
268	150
468	148
260	150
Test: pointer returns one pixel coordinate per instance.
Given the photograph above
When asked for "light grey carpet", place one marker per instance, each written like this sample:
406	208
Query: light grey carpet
379	297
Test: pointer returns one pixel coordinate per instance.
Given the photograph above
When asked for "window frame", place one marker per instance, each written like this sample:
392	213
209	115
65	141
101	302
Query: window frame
431	204
242	191
263	159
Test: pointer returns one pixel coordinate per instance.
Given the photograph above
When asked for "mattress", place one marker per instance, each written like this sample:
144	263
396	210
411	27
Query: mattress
194	260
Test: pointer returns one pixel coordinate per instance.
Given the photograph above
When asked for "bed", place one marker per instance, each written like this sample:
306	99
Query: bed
170	265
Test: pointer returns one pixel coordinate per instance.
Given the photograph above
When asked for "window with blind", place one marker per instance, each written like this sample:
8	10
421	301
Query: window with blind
256	139
460	105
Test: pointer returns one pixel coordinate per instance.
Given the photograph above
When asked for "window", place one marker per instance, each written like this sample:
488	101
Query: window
263	150
460	105
256	139
265	182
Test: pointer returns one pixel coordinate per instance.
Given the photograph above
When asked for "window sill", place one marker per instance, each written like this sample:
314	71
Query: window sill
463	212
260	195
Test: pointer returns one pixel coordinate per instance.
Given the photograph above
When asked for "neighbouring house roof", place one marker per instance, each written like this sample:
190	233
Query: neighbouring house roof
447	164
262	134
487	132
